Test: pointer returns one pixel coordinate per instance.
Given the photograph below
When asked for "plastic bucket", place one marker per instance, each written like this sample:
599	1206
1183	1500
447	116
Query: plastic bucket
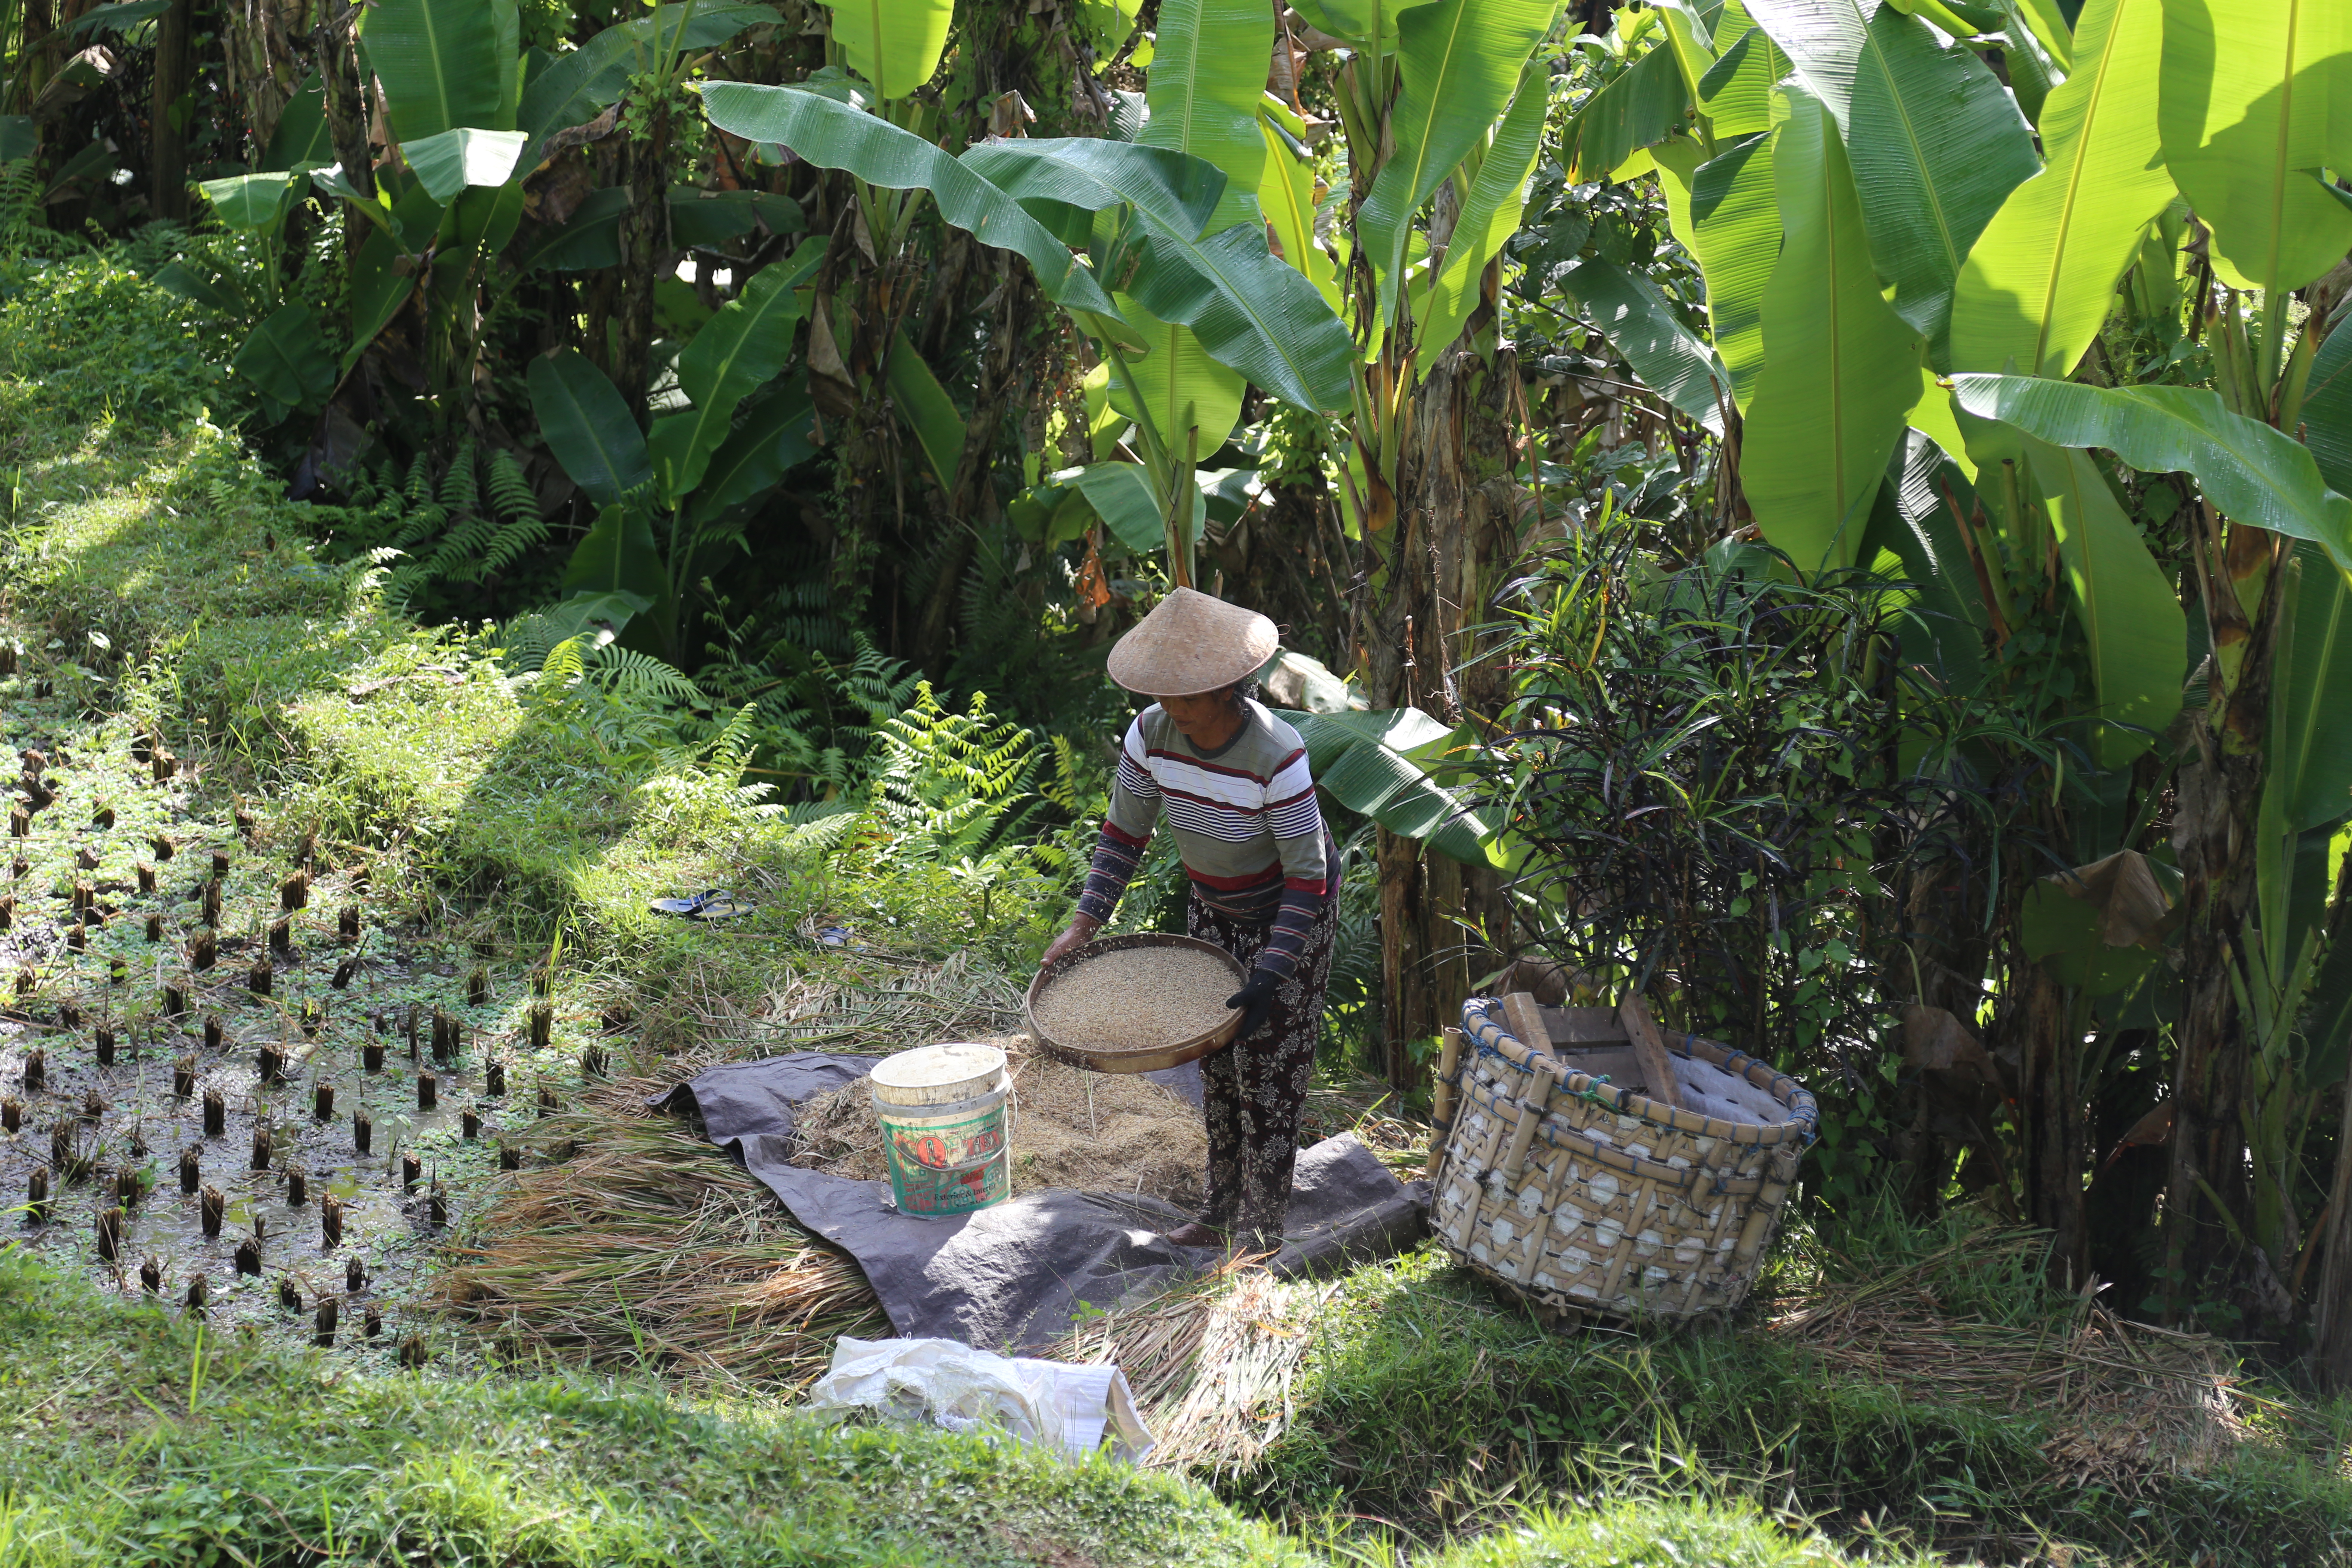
943	1116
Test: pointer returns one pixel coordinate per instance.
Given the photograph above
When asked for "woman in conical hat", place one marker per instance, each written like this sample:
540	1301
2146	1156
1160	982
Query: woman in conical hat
1232	780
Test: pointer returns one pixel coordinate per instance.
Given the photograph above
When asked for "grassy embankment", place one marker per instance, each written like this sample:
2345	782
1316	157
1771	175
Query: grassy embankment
1427	1400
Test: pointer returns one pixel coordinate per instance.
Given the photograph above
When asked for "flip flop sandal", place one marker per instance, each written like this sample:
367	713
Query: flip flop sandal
720	908
692	907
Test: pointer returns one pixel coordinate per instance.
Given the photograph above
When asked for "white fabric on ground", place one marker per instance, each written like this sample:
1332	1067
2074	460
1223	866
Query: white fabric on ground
952	1385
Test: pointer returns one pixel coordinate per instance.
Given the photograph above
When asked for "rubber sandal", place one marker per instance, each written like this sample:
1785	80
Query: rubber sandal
693	907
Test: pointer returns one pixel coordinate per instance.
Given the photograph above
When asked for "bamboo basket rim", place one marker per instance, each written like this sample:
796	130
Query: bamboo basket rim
1482	1024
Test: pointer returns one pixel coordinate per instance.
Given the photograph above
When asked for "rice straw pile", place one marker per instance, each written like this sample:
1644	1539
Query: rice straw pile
2131	1402
1097	1133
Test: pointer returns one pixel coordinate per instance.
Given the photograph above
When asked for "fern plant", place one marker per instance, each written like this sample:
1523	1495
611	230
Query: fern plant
446	540
950	785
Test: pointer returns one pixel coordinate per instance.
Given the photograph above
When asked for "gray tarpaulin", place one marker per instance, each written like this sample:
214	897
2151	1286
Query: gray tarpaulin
1012	1277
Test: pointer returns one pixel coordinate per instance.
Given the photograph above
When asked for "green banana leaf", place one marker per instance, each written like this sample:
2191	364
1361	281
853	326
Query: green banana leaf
2253	473
1176	385
219	294
1841	368
2311	744
1489	216
2256	102
2134	631
1207	79
1640	109
438	63
2034	72
1457	64
1121	495
19	137
303	139
1353	21
1668	356
287	356
1734	214
619	557
711	218
253	201
834	135
450	161
1937	143
1735	93
1378	765
928	410
772	435
894	44
2327	411
379	289
1912	523
579	86
1250	312
735	352
1286	194
2039	282
588	427
589	239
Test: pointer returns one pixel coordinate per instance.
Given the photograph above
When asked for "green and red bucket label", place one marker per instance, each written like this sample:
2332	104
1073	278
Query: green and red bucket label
949	1167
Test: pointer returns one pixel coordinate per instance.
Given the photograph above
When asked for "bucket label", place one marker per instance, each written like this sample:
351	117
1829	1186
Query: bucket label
951	1167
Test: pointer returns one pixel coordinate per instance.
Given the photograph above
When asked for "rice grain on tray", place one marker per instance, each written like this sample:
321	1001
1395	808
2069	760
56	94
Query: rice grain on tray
1137	999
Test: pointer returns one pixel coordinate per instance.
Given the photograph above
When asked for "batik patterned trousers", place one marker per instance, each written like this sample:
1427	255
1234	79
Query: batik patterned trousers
1255	1089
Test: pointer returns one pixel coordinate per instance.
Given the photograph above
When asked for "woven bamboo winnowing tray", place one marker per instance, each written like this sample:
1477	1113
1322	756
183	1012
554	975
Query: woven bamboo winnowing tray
1589	1196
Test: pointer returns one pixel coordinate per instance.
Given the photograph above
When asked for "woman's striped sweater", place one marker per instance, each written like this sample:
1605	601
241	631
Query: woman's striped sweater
1245	819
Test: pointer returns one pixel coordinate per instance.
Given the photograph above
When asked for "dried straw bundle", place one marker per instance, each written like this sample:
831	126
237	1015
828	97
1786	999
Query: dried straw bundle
2131	1402
1092	1131
653	1247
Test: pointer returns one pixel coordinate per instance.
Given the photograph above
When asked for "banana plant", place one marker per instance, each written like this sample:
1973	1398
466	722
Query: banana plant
670	502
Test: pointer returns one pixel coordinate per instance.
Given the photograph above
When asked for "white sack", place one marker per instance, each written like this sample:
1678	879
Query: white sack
953	1385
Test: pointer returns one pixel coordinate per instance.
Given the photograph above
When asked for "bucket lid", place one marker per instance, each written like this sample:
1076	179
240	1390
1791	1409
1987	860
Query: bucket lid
937	1075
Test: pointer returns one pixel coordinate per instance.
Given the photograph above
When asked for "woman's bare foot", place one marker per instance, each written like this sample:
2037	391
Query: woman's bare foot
1192	1233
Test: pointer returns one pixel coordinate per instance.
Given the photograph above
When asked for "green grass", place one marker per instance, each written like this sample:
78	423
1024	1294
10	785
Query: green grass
133	1437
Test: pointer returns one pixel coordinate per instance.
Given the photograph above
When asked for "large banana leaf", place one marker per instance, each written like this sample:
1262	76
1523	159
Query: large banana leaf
448	163
2039	282
894	44
1207	79
619	557
1376	765
1735	93
735	352
438	62
2034	72
303	139
2133	628
253	201
1734	214
578	86
1936	142
378	287
2256	102
1177	386
772	438
1457	64
1489	214
2252	472
1121	495
287	357
1841	368
1668	356
2311	746
1286	194
1250	312
588	427
1913	523
928	410
1356	21
832	135
1641	109
2327	411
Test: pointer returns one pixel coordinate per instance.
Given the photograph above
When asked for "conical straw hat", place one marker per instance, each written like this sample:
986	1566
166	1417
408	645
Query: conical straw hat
1190	644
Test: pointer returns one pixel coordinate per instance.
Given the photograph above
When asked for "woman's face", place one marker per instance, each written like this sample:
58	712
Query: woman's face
1207	720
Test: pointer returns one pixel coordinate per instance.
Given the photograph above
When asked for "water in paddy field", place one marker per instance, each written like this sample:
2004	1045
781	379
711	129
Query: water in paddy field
342	986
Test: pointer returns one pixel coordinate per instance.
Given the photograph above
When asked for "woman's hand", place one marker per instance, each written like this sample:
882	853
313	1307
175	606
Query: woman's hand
1082	931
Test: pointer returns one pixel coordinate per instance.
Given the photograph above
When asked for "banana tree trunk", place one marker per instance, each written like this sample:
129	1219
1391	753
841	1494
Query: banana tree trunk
167	156
2208	1202
347	121
972	498
2331	1325
2046	1029
645	248
257	51
1452	540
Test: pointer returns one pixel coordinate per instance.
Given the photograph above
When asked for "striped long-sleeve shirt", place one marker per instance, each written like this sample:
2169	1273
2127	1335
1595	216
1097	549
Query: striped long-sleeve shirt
1245	819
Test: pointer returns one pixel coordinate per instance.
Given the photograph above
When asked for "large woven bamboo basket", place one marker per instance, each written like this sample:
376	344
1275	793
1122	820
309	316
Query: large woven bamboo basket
1589	1195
